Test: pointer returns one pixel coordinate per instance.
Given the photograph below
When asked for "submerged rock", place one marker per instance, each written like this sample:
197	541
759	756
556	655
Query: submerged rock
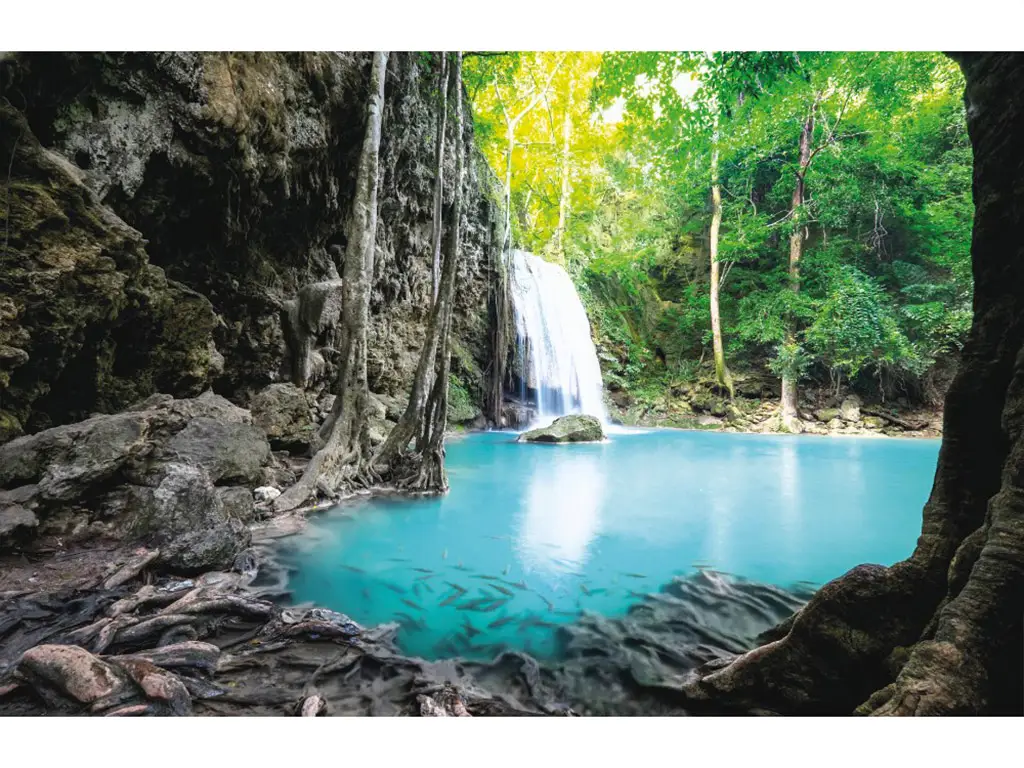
576	428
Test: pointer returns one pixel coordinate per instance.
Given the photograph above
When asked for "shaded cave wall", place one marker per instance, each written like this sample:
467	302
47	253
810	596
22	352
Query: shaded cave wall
161	209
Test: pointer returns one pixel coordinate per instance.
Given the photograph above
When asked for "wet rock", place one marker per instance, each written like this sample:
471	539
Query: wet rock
65	462
266	493
14	517
732	413
158	685
238	503
186	655
516	415
229	452
131	569
576	428
72	672
873	422
185	517
283	411
849	410
826	415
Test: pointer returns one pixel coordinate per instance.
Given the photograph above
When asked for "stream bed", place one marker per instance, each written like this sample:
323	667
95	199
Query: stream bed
731	531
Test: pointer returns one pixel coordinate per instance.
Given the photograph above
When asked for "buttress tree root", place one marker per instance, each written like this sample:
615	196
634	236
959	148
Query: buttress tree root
941	632
425	419
346	443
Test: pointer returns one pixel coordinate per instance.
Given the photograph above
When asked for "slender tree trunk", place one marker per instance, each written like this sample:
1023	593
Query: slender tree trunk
346	441
722	375
442	123
389	457
563	198
790	420
510	140
432	475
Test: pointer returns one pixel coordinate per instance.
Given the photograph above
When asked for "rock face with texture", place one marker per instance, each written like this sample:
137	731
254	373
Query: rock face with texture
849	410
567	429
175	474
176	221
283	412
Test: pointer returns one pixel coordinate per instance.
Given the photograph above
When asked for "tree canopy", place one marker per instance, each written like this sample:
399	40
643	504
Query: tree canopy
611	174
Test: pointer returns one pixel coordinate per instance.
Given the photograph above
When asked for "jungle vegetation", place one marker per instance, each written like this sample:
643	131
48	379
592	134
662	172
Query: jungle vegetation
806	215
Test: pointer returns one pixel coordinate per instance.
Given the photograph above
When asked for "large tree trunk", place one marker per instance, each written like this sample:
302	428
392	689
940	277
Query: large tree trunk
940	632
391	463
346	442
790	420
442	123
432	475
722	375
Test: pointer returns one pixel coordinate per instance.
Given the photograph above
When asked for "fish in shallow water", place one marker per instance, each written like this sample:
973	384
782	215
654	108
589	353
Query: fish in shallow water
450	599
471	631
501	622
494	606
534	621
398	559
547	602
456	587
585	591
461	567
353	569
395	588
520	585
475	604
366	594
427	587
426	578
423	570
486	578
507	569
416	589
411	604
444	555
635	575
506	592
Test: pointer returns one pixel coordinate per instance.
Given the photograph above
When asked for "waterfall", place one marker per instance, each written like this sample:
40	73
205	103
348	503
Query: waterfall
558	361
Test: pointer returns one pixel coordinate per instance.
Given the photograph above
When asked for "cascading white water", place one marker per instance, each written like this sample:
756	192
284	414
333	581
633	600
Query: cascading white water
559	361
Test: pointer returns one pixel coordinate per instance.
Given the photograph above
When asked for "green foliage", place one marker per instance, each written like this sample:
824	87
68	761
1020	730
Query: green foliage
885	281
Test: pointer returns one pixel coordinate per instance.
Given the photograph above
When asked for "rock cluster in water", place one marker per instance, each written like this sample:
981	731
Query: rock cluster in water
575	428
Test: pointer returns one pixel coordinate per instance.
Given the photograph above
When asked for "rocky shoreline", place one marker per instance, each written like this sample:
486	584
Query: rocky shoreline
140	579
702	407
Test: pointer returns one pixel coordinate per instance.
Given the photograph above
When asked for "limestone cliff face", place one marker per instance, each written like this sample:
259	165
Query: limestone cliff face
163	211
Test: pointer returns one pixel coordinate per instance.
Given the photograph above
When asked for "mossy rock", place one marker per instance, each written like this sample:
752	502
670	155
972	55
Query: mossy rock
826	414
576	428
873	422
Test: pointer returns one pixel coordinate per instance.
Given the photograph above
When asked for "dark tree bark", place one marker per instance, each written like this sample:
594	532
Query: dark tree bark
344	432
941	632
425	417
442	124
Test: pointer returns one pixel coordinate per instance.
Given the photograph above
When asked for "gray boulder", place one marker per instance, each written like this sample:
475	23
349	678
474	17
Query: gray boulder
576	428
185	517
147	474
849	410
283	411
229	452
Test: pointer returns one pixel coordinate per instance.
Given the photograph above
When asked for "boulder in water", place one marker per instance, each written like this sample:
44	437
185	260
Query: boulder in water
576	428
